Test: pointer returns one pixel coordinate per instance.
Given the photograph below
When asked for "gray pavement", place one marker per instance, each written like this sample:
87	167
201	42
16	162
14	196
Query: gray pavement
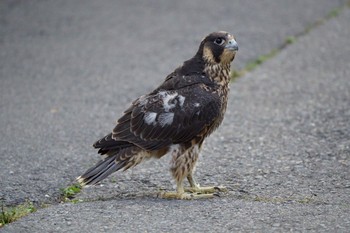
69	68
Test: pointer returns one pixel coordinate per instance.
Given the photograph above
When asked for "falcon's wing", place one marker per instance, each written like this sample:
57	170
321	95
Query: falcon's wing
168	116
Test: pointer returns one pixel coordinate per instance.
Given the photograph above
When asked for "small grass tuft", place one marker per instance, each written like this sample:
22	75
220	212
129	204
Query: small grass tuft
113	180
290	40
11	214
333	13
69	192
235	74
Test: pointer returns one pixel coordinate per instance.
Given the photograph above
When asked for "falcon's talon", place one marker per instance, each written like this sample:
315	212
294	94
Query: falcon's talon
205	190
217	194
221	188
175	118
185	195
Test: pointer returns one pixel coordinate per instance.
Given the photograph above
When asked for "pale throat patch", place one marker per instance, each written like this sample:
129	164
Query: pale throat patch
227	56
208	55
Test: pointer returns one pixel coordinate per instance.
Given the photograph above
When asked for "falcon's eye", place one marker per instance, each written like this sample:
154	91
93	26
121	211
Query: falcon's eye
219	41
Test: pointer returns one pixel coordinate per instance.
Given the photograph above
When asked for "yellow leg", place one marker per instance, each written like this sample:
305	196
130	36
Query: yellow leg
195	187
194	192
182	166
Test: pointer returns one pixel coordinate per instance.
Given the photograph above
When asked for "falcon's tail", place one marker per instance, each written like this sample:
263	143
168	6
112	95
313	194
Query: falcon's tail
112	163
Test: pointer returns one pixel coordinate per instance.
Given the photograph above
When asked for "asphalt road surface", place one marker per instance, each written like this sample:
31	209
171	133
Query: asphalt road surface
68	69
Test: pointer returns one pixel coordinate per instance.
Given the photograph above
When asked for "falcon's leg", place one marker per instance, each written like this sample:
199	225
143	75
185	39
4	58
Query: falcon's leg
195	187
182	166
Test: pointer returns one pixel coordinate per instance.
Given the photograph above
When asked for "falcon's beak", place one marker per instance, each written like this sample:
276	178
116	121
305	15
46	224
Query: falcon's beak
232	45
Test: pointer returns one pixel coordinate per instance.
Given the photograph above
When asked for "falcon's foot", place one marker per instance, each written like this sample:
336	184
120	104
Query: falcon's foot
196	188
206	190
186	195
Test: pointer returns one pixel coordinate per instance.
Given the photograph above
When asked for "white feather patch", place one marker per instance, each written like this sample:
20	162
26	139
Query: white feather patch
150	118
181	100
168	98
166	118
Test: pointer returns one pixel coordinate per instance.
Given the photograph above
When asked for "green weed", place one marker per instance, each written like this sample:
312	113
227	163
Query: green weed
69	192
11	214
333	13
290	39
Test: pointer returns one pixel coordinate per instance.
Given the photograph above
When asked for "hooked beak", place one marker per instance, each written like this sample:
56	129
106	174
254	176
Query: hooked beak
232	45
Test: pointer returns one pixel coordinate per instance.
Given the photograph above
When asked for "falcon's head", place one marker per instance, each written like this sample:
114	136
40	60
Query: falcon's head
218	47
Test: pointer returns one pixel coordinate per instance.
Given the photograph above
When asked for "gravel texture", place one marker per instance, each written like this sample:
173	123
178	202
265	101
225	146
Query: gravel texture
283	151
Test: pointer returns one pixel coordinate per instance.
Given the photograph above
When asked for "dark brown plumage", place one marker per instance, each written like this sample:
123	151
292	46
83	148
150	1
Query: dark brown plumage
173	119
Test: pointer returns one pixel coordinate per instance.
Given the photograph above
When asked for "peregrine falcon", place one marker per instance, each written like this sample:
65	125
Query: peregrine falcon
173	119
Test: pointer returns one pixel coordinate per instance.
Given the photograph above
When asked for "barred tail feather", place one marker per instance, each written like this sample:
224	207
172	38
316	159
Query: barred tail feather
101	170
